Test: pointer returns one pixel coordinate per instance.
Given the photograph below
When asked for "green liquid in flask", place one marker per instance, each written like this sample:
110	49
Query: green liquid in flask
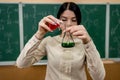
68	45
67	40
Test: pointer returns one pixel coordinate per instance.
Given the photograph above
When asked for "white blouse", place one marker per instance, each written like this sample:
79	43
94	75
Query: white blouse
63	63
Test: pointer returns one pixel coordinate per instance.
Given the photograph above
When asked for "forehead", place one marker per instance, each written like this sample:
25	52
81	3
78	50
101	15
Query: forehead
68	13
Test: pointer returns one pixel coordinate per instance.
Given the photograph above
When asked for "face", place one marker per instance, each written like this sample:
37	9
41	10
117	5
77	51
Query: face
69	18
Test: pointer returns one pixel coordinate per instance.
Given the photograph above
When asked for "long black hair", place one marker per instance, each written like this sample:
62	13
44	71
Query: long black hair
70	6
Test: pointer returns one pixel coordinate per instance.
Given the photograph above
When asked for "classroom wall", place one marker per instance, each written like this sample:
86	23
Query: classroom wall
38	72
59	1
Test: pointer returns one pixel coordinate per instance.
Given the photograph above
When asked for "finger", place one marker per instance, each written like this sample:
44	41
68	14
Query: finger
67	29
78	33
54	19
73	29
48	20
82	37
44	26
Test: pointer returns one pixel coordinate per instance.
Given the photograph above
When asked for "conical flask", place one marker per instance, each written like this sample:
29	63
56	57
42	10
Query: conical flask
67	40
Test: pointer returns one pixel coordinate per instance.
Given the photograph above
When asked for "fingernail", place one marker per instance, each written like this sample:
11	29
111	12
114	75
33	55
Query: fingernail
53	23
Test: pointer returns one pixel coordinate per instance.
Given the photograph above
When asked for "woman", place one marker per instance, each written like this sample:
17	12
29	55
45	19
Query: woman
64	63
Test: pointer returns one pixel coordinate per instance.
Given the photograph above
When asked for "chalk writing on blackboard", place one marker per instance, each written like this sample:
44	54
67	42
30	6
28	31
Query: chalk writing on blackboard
9	32
114	31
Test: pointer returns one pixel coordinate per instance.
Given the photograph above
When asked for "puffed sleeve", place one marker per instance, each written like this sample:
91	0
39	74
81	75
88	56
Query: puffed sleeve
31	53
94	63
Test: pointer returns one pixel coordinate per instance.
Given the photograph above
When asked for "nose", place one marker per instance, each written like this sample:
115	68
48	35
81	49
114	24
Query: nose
69	23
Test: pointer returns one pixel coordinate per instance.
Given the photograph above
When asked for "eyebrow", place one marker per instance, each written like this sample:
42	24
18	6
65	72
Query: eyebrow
66	17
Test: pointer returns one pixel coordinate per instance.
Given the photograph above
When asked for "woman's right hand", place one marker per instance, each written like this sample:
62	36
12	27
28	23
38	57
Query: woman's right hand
43	27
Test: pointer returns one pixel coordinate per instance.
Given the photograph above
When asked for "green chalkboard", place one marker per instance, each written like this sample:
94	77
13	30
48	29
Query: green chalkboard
93	18
9	32
33	13
114	48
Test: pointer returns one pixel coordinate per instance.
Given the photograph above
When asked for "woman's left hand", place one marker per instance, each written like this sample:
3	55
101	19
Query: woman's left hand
80	32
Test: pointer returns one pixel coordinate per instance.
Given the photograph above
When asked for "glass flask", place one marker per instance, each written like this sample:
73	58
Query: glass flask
53	26
67	40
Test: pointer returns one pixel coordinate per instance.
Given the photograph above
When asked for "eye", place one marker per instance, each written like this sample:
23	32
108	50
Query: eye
64	19
74	20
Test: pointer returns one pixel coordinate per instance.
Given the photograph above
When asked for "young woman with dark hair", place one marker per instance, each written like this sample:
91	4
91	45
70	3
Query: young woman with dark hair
64	63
